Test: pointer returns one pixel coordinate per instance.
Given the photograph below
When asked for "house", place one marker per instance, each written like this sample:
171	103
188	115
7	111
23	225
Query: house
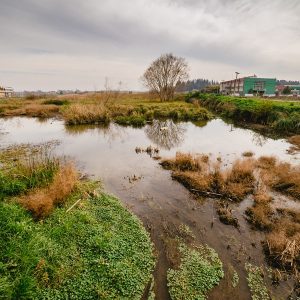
6	92
249	86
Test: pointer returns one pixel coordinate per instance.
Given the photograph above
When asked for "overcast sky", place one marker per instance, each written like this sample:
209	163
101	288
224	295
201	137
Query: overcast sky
68	44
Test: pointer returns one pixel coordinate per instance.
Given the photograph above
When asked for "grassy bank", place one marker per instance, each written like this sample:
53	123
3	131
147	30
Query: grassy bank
272	115
65	239
122	108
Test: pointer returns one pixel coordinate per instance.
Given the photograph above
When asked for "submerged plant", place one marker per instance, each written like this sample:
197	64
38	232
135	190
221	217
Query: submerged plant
256	283
199	271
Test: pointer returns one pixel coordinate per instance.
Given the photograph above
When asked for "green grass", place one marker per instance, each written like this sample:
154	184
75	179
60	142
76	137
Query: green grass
25	167
98	250
279	116
256	283
200	270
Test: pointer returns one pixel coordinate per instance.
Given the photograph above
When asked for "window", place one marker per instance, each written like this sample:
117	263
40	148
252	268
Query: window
259	86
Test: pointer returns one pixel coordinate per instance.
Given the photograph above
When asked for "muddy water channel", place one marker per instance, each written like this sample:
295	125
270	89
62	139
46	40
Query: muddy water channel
109	154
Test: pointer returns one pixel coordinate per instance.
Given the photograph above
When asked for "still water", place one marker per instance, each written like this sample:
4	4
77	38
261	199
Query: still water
108	153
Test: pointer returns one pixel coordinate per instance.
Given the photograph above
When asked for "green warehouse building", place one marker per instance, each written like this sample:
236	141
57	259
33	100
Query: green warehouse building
249	86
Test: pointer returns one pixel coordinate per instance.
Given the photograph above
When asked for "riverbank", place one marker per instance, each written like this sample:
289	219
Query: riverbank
65	238
265	115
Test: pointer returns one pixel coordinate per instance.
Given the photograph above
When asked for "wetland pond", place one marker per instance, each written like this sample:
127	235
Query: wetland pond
110	154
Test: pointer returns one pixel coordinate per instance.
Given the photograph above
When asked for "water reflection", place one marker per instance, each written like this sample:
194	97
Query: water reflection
79	129
166	134
110	132
258	139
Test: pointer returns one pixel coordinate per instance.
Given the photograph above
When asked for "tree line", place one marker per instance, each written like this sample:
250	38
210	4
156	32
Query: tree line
195	84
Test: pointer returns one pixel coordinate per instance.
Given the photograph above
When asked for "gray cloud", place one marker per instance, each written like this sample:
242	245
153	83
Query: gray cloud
76	44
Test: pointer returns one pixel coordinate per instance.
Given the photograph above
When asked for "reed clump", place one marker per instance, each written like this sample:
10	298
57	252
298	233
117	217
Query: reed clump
201	175
86	114
283	242
295	141
260	214
281	176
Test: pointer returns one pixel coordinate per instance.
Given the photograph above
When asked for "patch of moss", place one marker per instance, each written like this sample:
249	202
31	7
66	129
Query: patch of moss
235	279
199	271
256	283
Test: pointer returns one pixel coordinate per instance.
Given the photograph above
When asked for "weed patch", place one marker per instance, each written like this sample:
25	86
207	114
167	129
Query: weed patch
199	271
255	278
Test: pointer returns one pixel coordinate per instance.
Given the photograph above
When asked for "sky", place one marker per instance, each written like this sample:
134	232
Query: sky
76	44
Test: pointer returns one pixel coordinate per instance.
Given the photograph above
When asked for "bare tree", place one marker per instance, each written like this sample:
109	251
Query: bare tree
164	74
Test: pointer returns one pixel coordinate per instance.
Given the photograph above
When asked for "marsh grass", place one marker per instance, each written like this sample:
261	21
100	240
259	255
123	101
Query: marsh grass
86	114
281	176
295	141
258	178
93	108
200	174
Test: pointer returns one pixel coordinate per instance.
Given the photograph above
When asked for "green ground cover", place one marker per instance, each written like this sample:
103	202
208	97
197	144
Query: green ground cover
277	115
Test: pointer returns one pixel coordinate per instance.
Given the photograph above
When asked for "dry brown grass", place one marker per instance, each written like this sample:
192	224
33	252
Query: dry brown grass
201	175
226	216
282	177
260	215
185	162
284	249
32	110
86	114
295	140
248	154
257	177
41	202
239	180
266	162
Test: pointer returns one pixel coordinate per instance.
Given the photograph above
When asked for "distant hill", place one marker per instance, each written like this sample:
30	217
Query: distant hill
195	84
288	82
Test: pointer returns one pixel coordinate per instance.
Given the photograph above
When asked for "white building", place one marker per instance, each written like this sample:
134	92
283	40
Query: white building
6	92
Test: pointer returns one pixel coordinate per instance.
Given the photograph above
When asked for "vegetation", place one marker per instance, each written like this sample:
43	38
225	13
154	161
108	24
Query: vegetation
25	168
201	175
277	116
86	247
295	141
199	271
195	84
123	108
209	178
256	283
164	74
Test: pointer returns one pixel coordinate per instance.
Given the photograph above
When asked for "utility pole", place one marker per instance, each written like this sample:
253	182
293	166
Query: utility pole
236	76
